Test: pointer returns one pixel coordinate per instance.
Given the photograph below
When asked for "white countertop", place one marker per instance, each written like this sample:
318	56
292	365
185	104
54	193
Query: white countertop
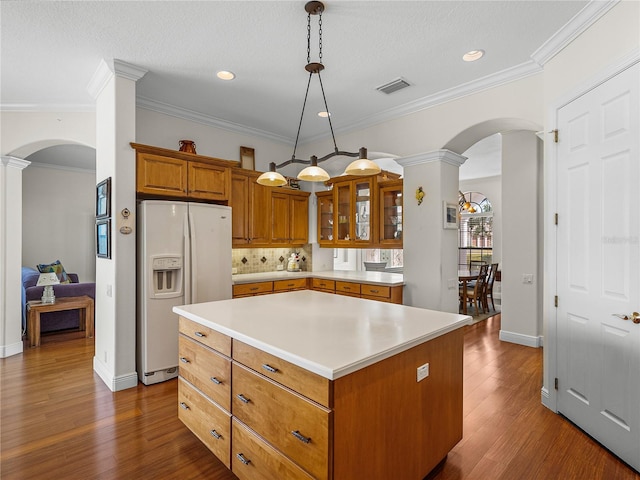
376	278
331	335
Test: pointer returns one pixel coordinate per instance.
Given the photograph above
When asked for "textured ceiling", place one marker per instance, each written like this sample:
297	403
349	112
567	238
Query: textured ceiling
51	49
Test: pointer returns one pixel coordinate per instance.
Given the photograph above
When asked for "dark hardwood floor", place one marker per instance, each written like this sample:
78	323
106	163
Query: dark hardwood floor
59	421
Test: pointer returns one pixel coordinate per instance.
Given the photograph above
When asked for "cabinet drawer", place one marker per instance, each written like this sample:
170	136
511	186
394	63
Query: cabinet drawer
307	383
294	425
252	288
206	335
348	288
293	284
375	291
254	459
210	423
321	284
209	371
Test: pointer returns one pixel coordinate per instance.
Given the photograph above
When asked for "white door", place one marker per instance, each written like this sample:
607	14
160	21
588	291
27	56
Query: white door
598	264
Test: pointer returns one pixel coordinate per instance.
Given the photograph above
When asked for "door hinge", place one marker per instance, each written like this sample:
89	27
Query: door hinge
555	219
555	301
555	383
555	135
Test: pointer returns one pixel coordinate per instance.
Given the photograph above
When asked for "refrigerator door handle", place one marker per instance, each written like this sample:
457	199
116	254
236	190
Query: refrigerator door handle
193	264
186	242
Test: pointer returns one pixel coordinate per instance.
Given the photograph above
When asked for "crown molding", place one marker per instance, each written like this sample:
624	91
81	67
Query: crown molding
105	72
185	114
574	27
14	162
446	156
470	88
49	108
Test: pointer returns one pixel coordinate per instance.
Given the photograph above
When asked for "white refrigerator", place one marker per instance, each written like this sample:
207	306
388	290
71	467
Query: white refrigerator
184	257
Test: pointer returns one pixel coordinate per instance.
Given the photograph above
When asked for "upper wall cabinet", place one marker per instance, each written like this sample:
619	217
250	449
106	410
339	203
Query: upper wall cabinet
167	173
349	215
390	227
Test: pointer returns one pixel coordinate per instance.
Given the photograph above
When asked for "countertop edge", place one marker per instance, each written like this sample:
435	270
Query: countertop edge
313	366
328	275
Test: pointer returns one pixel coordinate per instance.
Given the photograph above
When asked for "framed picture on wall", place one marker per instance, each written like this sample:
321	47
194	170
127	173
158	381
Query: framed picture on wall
450	215
103	199
103	238
248	158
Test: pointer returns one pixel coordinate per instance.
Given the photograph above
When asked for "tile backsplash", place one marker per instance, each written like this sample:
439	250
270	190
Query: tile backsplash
257	260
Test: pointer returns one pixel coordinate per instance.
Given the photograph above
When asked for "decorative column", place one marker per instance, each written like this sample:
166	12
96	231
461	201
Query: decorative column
114	88
430	250
11	255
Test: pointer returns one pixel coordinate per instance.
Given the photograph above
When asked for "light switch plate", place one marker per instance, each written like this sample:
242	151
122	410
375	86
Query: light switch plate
423	372
279	267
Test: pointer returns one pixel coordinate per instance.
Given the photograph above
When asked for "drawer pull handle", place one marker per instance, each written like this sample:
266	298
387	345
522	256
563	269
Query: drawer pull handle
269	368
253	289
184	406
291	284
346	288
242	398
199	334
184	360
216	381
215	435
300	437
243	459
375	291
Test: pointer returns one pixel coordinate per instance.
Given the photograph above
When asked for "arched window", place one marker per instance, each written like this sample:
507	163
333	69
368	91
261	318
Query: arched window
475	234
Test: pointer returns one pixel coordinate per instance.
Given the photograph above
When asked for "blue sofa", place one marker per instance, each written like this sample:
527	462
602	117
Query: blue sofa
54	321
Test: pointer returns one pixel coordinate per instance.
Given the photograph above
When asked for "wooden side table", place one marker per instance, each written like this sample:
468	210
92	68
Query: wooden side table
35	308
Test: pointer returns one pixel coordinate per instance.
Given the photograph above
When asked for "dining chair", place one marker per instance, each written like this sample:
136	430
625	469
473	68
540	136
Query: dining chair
475	293
491	278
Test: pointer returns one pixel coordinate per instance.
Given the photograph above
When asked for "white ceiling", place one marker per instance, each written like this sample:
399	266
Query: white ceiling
51	49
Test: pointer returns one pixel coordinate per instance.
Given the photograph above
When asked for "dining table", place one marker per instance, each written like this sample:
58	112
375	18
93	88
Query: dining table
464	277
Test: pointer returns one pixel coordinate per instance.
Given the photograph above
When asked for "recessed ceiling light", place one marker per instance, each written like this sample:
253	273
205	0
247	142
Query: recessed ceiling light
323	114
225	75
473	55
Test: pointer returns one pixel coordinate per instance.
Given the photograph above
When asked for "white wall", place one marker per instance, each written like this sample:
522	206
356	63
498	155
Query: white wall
612	38
58	218
159	130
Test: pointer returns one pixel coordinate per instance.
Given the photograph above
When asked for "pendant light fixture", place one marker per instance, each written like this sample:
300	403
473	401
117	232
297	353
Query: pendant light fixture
314	173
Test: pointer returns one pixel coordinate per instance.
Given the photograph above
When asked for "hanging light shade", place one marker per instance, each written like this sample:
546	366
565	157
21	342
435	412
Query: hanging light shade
362	166
313	173
272	178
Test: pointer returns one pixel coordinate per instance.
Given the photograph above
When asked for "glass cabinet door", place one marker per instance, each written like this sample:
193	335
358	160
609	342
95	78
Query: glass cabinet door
362	211
343	198
325	218
391	215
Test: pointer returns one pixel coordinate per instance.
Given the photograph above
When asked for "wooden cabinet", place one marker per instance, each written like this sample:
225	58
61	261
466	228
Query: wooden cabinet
290	285
289	217
204	386
390	227
250	203
381	293
348	216
251	289
163	173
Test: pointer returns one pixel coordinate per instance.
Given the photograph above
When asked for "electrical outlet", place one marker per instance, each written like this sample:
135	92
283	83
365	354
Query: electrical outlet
423	372
234	270
279	267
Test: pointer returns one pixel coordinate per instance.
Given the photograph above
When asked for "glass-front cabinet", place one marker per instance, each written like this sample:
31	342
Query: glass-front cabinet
391	213
349	214
325	218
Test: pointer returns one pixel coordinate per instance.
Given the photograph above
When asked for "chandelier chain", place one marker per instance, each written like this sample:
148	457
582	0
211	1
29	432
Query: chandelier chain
309	38
320	37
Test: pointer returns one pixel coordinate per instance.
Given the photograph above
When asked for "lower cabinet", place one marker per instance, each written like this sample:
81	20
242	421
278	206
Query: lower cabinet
376	422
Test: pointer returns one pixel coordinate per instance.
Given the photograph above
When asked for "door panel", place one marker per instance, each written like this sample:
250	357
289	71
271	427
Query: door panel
598	261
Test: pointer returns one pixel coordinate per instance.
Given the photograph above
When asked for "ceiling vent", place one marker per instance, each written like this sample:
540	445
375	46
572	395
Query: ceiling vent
393	86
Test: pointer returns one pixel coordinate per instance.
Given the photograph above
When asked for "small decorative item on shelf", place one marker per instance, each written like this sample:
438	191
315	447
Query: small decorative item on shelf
293	183
187	146
419	195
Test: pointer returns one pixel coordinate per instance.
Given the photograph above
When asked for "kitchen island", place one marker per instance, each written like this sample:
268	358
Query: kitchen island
313	385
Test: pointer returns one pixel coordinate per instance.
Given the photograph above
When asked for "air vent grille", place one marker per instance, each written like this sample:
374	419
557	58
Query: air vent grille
393	86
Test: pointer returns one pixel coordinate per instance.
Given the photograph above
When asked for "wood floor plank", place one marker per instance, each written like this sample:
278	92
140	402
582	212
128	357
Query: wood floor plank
59	421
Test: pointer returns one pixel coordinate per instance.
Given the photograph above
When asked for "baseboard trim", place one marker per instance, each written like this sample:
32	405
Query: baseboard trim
115	384
520	339
10	350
